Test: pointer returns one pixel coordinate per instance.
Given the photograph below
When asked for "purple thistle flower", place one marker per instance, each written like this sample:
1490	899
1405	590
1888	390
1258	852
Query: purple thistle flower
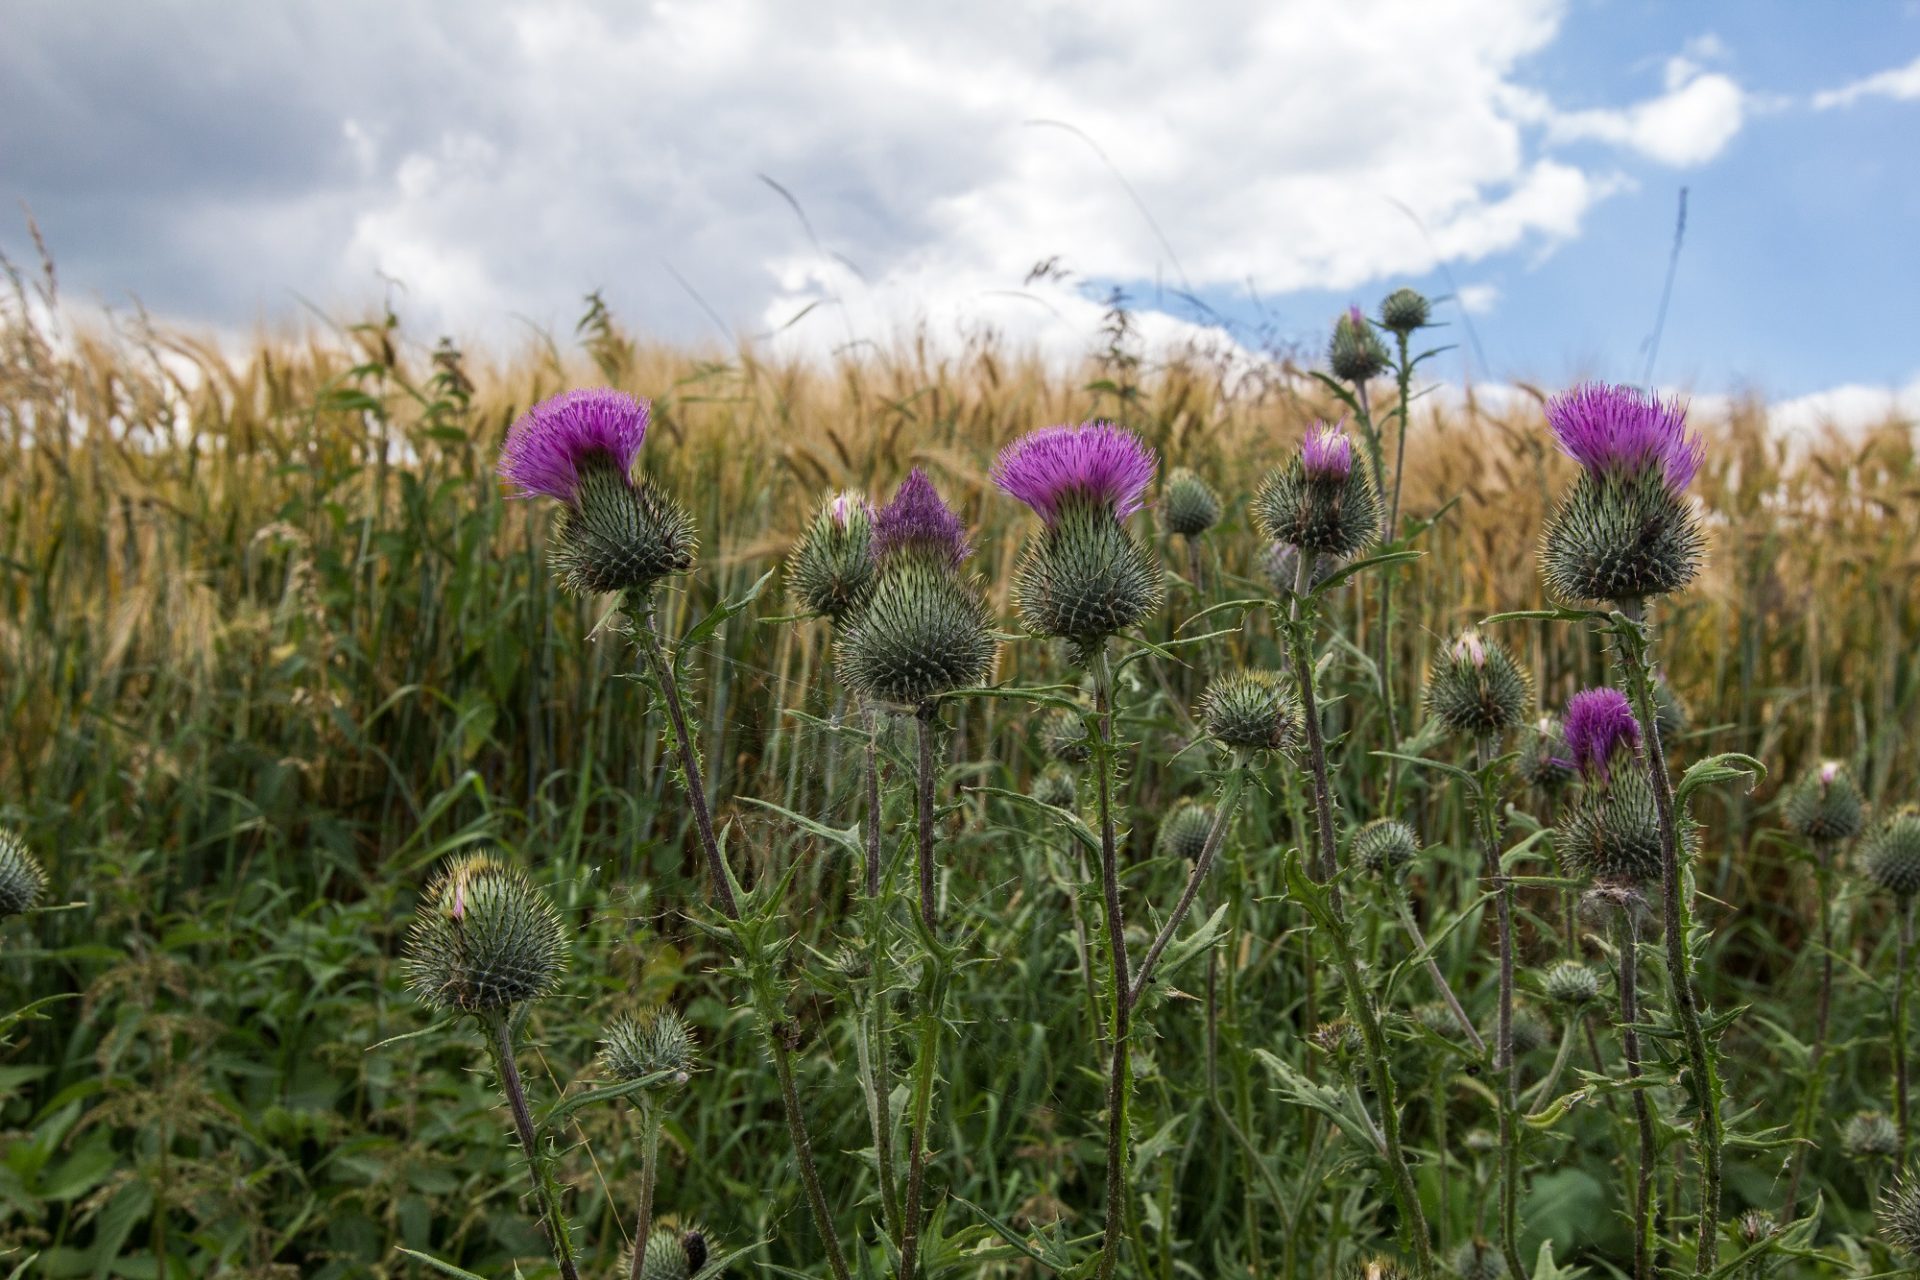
1326	452
918	519
1611	429
845	503
1599	723
1356	317
1096	461
550	442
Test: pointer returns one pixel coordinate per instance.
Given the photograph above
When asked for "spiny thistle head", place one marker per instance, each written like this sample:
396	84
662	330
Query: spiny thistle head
919	524
1188	504
1084	577
1900	1216
1386	847
1826	806
1281	565
1544	763
1339	1039
1251	711
1891	855
22	879
654	1044
1355	352
1183	836
925	631
1625	530
1063	735
1613	835
1570	983
615	533
1378	1268
1405	310
673	1252
1756	1225
1479	1259
1475	688
1600	729
831	569
1319	501
484	939
1869	1135
1054	785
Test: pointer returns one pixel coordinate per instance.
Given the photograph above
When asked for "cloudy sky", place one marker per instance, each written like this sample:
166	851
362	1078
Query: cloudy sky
1250	167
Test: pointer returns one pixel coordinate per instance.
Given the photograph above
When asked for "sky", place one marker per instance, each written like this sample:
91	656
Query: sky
810	176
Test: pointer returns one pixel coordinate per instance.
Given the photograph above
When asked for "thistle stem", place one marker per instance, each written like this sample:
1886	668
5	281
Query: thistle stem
1404	910
559	1237
876	1054
1823	1008
1902	957
1543	1091
803	1152
1627	941
1637	647
1300	645
1120	1080
1487	749
935	988
649	1162
1224	810
929	908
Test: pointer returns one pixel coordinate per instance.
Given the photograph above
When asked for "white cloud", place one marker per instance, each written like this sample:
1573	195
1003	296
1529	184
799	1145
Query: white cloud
1689	124
1902	84
1478	299
1847	408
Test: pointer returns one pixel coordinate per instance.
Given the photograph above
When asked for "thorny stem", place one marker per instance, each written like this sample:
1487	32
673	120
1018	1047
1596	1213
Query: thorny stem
872	832
1902	955
1404	910
500	1043
1487	749
649	1164
1823	1008
935	987
876	1053
1403	374
1120	1081
1705	1082
929	909
1224	809
689	757
1627	942
1300	643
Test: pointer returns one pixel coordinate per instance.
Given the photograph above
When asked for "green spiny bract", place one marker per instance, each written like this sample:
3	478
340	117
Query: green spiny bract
656	1044
1251	711
1378	1268
1620	537
831	570
1339	1039
1184	834
924	632
1385	847
1280	565
1405	310
1613	834
1475	688
1478	1259
1055	785
1869	1135
621	535
1355	352
1330	515
22	879
1188	504
1083	577
484	939
1063	736
1825	806
1891	856
1570	983
673	1253
1544	761
1900	1216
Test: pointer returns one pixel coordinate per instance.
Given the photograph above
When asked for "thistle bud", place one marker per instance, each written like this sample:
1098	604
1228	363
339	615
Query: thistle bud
1386	847
1869	1135
654	1044
1625	530
1063	735
1475	688
1531	1032
1085	576
1756	1225
1188	505
1339	1039
1251	711
1825	806
1479	1259
1378	1268
1054	785
1613	835
832	568
673	1253
1571	983
22	879
1900	1216
484	939
1319	501
1891	856
1355	352
1183	836
1405	310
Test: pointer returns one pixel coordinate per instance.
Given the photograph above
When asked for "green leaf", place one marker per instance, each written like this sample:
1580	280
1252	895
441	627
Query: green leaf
847	838
719	614
1195	943
1546	615
1345	571
1725	767
1066	817
444	1268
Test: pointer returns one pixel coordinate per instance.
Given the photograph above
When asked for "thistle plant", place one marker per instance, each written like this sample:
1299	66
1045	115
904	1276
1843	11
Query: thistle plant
653	1056
23	881
485	943
1890	857
621	534
1082	579
1825	809
1189	508
1627	534
1477	691
1385	848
